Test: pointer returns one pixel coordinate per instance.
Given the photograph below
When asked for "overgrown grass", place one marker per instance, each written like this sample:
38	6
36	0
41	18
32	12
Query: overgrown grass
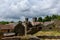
47	33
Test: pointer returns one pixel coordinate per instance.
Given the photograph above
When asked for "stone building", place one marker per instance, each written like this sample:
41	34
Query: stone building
36	26
19	29
52	25
57	24
49	25
31	27
6	28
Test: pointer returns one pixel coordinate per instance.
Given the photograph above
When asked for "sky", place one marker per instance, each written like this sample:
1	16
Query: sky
15	10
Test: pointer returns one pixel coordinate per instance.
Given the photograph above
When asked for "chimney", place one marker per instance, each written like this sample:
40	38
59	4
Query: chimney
26	19
35	19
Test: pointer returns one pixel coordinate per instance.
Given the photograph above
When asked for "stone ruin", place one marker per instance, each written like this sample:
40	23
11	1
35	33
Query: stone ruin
31	29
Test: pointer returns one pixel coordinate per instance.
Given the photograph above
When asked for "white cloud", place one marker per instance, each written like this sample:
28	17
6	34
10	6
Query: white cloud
16	9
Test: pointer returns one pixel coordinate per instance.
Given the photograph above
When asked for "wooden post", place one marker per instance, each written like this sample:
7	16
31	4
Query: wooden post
25	29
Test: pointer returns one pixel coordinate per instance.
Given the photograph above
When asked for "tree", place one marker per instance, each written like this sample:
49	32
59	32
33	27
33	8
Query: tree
54	17
40	19
47	18
58	17
4	22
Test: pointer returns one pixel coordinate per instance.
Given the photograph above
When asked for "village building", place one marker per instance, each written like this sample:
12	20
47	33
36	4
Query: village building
37	26
57	24
52	25
49	25
27	27
6	28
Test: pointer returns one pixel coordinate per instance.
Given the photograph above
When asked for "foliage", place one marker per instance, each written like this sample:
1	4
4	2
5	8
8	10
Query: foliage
47	33
40	19
49	18
54	17
58	17
4	22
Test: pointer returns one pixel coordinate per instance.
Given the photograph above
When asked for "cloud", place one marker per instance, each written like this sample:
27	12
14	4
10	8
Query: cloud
18	9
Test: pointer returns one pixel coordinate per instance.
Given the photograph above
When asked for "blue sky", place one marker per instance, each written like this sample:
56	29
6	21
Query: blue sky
19	9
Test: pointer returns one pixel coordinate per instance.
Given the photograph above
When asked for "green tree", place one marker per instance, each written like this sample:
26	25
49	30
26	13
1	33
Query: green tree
47	18
40	19
4	22
58	17
54	17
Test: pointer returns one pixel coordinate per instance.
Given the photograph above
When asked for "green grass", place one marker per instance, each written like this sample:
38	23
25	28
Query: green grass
47	33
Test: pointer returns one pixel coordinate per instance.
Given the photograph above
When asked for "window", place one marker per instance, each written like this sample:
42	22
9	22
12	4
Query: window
50	28
40	28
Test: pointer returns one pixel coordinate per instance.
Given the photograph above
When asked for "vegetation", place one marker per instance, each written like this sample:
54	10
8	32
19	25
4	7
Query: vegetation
49	18
54	17
4	22
40	19
47	33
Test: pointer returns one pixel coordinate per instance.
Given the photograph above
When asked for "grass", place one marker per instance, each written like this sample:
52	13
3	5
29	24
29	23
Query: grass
47	33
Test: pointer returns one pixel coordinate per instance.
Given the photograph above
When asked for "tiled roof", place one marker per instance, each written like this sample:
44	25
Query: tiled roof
8	26
47	23
36	23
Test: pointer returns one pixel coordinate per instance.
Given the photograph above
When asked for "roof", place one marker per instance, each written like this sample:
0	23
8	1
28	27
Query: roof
36	23
14	24
47	23
7	26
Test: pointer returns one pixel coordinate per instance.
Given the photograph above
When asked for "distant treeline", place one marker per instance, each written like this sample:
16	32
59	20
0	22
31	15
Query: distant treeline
6	22
40	19
48	18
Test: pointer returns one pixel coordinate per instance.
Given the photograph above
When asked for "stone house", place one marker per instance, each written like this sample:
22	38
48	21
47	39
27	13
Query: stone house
19	29
6	28
57	24
49	25
31	27
52	25
36	26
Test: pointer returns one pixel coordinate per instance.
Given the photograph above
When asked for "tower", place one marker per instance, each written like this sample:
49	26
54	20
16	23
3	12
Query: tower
26	19
35	19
